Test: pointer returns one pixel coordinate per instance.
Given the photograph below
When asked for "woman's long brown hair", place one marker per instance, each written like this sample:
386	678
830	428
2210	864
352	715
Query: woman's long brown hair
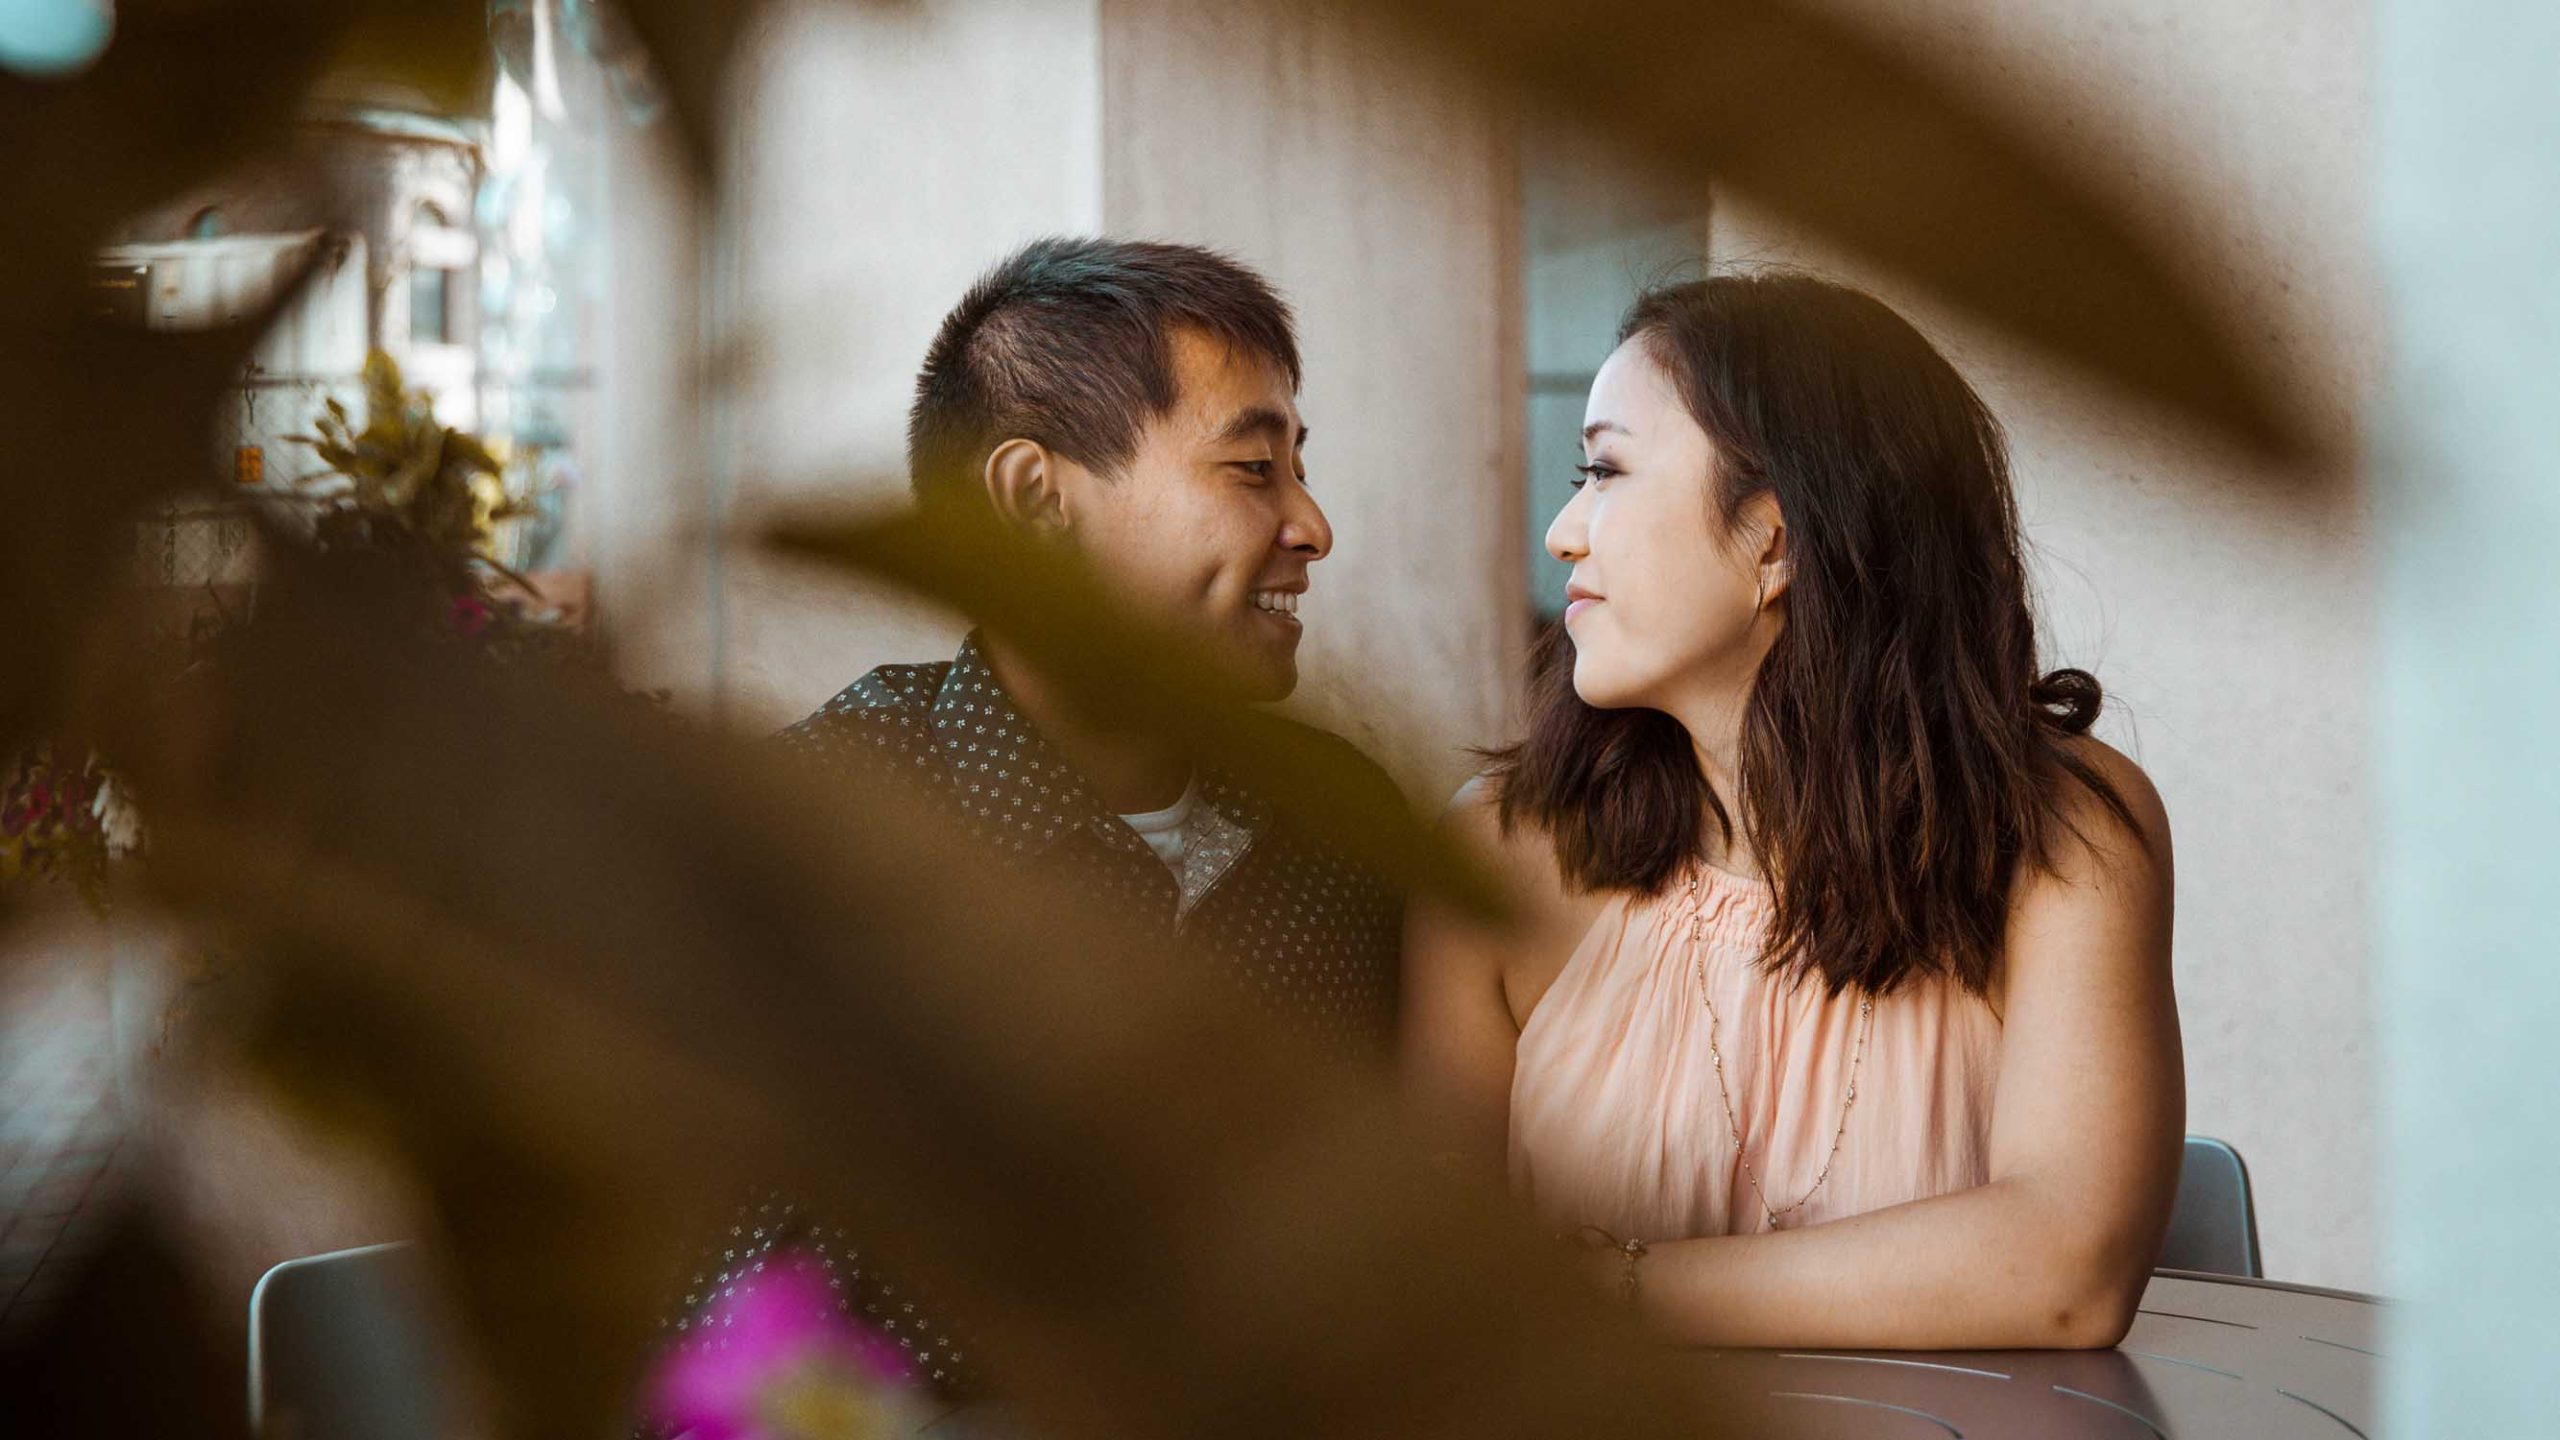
1901	756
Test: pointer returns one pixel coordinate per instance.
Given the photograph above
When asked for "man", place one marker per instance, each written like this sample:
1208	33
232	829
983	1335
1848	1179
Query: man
1137	402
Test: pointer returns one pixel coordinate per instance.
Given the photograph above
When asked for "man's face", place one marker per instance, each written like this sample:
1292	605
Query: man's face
1210	528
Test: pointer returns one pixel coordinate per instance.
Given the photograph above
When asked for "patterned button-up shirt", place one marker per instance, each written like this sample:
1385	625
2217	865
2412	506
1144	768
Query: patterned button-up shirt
1307	935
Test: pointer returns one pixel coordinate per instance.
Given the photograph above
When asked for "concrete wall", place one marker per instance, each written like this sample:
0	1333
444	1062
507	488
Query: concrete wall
1380	196
885	155
652	498
2227	609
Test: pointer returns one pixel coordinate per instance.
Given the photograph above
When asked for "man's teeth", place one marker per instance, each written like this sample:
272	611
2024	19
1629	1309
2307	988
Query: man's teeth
1278	602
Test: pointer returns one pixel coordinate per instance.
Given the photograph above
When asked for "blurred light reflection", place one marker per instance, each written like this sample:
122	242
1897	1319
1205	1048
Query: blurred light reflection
53	37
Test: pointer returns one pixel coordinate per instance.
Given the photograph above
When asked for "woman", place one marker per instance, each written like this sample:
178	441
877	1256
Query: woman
1840	1006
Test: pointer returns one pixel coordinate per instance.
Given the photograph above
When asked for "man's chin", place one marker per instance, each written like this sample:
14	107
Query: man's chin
1262	663
1267	682
1265	670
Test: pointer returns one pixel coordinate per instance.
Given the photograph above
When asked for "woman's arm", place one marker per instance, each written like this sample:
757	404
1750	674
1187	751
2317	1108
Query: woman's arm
2086	1127
1458	1034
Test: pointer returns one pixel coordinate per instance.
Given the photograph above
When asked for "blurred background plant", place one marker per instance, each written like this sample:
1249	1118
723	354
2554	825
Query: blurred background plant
399	490
428	501
402	480
64	823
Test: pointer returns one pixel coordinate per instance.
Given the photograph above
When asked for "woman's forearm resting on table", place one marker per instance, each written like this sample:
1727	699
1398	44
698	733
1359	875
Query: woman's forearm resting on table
2008	1265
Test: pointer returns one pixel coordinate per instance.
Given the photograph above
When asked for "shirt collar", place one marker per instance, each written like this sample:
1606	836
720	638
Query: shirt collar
1020	789
1009	780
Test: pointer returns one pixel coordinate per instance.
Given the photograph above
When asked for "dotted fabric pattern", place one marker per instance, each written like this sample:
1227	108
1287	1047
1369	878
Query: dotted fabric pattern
1311	938
771	1222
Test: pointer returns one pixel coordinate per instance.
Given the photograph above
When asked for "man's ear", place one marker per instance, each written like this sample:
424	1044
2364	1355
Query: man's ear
1024	485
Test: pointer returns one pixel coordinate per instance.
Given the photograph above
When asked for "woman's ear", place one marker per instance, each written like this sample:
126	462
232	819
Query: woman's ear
1023	485
1776	564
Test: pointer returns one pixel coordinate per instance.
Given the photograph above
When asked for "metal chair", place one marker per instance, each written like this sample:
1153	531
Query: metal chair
2214	1227
341	1348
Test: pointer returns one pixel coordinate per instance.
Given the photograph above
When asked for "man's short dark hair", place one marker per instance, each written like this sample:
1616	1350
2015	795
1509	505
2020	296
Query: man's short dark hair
1069	343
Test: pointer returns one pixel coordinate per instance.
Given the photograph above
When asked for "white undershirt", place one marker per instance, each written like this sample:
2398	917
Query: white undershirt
1168	831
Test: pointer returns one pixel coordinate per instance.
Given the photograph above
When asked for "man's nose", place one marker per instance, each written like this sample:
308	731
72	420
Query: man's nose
1303	528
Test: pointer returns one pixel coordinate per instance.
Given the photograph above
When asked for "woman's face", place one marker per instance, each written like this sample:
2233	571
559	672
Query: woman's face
1664	604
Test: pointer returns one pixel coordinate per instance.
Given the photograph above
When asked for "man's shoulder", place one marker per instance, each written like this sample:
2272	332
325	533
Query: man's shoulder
890	707
1335	753
1361	794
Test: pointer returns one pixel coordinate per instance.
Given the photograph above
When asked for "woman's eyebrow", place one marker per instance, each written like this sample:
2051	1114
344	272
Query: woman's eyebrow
1592	430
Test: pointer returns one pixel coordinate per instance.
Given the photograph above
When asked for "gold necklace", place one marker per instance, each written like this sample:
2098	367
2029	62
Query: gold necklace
1733	1123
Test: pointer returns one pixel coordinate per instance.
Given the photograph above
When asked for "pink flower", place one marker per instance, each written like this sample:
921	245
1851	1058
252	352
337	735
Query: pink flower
776	1360
471	615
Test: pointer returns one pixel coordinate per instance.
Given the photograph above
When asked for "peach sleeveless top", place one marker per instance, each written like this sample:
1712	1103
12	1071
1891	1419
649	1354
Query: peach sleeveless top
1615	1115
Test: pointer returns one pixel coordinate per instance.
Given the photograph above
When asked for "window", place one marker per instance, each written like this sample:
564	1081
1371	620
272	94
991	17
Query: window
1595	233
441	265
431	291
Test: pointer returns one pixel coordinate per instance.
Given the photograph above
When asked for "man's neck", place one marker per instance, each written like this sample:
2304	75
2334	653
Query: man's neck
1129	774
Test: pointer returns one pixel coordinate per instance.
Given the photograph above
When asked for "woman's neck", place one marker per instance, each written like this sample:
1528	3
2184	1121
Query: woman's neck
1714	723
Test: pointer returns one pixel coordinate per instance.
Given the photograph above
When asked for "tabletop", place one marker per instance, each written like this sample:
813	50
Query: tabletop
2208	1355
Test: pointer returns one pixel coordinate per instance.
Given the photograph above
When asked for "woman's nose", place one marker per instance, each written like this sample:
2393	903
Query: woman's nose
1569	534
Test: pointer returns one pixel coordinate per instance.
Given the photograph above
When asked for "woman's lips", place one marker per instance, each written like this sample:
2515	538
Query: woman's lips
1576	608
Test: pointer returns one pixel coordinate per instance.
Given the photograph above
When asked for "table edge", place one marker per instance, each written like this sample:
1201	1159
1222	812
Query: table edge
2210	1278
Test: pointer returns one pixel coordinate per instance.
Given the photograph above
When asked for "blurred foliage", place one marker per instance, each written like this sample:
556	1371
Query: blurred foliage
63	822
409	496
403	469
1972	196
436	50
580	968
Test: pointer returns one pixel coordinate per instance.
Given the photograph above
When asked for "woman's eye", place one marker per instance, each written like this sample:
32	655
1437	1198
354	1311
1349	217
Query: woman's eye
1595	471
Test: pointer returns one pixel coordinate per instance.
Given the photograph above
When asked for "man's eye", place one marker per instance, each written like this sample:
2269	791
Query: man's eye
1259	469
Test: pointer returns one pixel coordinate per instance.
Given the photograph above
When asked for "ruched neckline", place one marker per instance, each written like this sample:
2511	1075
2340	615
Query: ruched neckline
1616	1118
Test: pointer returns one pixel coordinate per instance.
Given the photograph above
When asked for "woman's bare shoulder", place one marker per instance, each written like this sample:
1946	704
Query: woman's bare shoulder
1548	909
2096	832
2100	899
1519	850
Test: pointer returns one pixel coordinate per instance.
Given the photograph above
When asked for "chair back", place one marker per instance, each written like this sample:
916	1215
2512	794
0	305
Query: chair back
2214	1226
341	1348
